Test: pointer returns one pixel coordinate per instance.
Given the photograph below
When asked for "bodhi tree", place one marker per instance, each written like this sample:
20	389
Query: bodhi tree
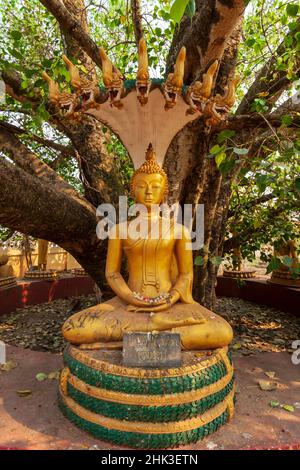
56	171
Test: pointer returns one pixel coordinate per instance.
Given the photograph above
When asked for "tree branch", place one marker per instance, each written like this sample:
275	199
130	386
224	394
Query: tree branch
266	83
63	149
72	49
31	206
290	106
31	164
137	20
206	36
238	122
70	25
13	80
254	202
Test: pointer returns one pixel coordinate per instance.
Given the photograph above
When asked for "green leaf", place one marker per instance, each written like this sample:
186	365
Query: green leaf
288	40
224	135
297	184
273	265
41	376
289	408
286	120
257	223
190	9
47	63
227	165
239	151
178	9
15	53
219	158
215	149
43	113
199	261
216	260
292	9
274	403
262	182
250	42
16	35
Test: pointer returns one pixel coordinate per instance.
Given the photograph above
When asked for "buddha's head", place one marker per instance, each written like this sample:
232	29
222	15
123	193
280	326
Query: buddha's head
149	183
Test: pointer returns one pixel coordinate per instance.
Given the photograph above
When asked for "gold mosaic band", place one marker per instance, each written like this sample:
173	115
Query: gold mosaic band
120	370
148	427
8	281
146	400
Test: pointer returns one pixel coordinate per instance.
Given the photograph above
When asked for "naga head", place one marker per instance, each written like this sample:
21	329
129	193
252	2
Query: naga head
66	102
173	85
143	81
112	78
219	106
85	89
199	92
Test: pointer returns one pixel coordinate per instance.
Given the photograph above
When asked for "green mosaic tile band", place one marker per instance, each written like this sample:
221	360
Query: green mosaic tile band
149	413
151	386
144	441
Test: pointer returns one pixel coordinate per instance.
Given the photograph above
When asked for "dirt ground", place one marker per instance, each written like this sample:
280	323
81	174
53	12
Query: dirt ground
264	419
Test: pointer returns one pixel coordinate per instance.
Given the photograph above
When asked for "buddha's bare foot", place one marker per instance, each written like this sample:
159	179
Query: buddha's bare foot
108	345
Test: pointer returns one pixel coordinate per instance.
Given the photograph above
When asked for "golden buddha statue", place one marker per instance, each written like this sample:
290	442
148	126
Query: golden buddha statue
7	278
158	294
284	274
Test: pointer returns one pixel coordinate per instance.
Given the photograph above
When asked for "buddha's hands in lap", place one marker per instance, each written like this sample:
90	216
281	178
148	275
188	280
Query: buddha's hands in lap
157	307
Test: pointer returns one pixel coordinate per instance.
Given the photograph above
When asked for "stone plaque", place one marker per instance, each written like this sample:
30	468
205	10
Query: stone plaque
153	350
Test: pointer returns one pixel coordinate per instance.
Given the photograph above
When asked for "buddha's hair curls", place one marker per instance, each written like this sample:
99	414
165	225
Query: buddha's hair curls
150	167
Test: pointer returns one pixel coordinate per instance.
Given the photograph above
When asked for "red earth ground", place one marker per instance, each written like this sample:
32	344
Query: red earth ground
35	422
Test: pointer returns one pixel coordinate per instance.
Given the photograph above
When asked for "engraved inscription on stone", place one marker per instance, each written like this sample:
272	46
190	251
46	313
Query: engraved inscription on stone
153	350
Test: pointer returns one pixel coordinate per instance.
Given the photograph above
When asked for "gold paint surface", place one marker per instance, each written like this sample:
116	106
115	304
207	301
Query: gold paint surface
150	257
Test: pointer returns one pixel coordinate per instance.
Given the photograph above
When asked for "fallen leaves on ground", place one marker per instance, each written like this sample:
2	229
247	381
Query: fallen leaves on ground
24	393
41	376
54	375
267	385
270	374
38	327
289	408
7	366
276	404
258	328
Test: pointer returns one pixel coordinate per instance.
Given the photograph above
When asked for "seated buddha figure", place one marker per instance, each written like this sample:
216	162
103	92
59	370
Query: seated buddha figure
158	294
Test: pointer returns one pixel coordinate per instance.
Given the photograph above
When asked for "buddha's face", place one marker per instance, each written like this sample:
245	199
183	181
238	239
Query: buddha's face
149	189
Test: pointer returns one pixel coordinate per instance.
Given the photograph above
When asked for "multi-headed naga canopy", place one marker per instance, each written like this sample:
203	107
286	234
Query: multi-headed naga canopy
136	110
